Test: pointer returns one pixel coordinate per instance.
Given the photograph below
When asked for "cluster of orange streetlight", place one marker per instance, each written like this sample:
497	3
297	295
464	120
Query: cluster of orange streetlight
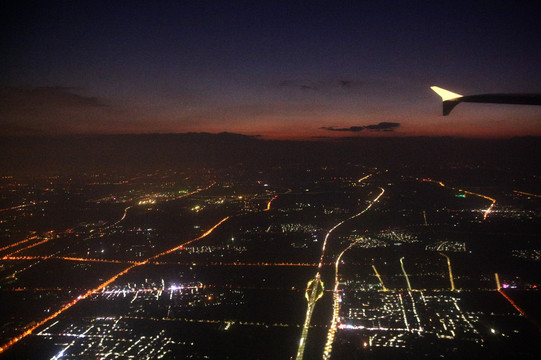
19	242
97	260
265	264
25	257
34	237
25	248
238	263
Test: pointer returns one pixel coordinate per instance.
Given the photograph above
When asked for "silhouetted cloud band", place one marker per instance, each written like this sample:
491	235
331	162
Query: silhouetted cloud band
382	126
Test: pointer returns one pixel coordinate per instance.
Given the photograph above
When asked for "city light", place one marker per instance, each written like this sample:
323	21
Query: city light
137	264
67	306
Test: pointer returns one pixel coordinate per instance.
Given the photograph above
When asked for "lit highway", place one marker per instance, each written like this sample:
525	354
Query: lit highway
489	209
344	221
312	295
26	248
121	219
336	304
379	277
514	304
314	292
19	243
450	271
404	272
485	212
191	263
527	194
18	207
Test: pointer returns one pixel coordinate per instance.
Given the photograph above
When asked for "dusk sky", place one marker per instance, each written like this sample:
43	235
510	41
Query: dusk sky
296	69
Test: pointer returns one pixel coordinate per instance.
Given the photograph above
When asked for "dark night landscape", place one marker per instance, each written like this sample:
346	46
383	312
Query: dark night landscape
270	180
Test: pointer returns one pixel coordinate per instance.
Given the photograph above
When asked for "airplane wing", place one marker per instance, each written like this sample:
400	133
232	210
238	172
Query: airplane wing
451	99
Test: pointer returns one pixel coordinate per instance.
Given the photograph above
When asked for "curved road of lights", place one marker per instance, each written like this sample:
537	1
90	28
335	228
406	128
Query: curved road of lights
336	304
311	293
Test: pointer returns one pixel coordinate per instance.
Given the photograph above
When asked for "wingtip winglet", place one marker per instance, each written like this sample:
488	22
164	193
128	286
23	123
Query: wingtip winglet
449	98
445	94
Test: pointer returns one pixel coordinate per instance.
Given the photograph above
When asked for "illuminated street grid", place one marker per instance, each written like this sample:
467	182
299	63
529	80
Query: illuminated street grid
107	338
387	316
231	255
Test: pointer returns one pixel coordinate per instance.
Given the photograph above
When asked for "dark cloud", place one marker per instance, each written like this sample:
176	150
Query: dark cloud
299	84
346	84
56	109
322	85
54	96
351	128
382	126
385	126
